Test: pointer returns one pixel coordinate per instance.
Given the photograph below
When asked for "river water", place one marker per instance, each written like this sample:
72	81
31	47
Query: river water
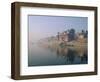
47	55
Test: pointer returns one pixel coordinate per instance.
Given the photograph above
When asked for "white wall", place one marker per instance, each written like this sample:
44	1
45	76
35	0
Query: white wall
5	42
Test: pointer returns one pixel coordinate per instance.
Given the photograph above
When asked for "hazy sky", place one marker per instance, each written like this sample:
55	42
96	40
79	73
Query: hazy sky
45	26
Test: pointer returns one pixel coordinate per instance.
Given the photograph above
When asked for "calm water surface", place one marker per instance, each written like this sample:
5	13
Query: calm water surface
56	55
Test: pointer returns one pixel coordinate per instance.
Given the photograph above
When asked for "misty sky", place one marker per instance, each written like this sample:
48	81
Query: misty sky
45	26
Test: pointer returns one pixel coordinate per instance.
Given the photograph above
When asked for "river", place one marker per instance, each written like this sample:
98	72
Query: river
47	55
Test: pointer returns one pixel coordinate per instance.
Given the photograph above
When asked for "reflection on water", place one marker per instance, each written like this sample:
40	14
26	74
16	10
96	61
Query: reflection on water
56	55
73	55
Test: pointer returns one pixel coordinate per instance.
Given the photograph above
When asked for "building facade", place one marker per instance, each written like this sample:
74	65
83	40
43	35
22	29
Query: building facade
70	35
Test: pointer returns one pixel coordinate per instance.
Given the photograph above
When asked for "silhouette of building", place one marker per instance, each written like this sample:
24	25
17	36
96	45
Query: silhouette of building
63	37
71	35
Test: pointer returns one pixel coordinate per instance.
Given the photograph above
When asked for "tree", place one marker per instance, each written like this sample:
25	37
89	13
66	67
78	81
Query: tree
72	34
83	32
58	35
86	34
